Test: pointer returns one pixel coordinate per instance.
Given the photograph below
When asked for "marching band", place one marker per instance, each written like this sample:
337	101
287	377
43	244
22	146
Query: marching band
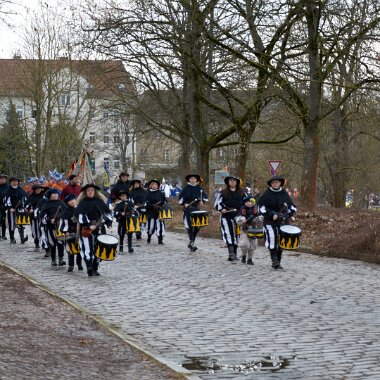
75	220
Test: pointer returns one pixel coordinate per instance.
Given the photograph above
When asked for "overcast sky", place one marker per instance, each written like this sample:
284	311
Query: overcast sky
10	38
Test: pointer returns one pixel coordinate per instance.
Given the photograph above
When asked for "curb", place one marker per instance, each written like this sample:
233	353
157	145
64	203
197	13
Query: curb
160	360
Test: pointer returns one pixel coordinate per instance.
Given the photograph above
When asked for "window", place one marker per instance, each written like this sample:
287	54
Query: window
105	114
65	99
116	139
116	164
166	154
106	138
20	111
34	113
92	137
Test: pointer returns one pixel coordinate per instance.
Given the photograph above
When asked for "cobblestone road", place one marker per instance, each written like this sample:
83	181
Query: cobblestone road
317	319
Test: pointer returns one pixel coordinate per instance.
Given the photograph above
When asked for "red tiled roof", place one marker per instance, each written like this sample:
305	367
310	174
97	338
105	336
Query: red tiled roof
18	75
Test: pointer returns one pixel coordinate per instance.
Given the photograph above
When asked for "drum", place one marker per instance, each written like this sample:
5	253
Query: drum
289	237
132	223
254	232
199	218
22	218
72	245
166	212
105	247
142	212
59	235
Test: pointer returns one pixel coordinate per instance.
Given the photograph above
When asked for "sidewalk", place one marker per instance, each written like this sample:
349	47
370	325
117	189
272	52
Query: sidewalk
317	319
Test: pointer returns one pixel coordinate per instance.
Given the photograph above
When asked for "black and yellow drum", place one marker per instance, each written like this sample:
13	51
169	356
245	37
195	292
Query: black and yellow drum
22	218
132	223
166	212
142	212
105	247
60	236
254	232
199	218
72	245
289	237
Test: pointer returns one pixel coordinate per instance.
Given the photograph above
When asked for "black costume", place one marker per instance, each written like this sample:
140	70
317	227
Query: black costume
31	206
126	207
153	201
275	202
50	215
68	226
192	195
15	198
3	212
119	186
91	211
138	195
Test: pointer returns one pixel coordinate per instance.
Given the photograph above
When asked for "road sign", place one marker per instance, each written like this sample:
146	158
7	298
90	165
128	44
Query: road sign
274	166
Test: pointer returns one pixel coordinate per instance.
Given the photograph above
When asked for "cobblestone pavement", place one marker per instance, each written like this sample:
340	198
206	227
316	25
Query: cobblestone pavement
317	319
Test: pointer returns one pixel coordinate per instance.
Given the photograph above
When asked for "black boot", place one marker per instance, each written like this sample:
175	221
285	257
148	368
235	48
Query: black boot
149	239
36	243
79	261
231	253
243	259
138	235
53	257
273	256
22	236
279	257
160	240
249	261
95	266
121	248
192	246
130	249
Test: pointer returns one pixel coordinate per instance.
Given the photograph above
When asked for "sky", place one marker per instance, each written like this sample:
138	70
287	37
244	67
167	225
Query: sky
11	37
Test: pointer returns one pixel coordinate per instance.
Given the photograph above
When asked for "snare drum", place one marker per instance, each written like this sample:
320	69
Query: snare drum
254	232
166	212
199	218
142	212
132	223
59	235
289	237
105	247
72	245
22	217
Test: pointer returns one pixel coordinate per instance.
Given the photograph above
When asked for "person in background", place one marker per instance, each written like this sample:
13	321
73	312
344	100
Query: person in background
123	183
228	202
276	206
4	186
191	197
165	188
73	187
14	202
138	194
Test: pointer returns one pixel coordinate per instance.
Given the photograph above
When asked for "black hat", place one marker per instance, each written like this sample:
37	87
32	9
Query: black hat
37	186
277	178
197	176
123	173
154	180
13	178
249	198
52	191
121	192
69	198
72	176
3	175
231	177
135	181
84	188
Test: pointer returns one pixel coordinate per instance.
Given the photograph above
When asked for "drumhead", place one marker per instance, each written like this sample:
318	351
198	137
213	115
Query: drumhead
199	212
291	230
107	239
142	209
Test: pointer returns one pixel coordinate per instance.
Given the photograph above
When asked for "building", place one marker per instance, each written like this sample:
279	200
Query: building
65	103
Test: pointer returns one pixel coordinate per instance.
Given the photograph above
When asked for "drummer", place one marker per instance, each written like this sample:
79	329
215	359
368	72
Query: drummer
247	218
68	226
122	210
276	207
92	212
154	200
138	194
191	197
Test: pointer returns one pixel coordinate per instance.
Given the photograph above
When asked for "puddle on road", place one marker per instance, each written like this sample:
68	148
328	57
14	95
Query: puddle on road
204	363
